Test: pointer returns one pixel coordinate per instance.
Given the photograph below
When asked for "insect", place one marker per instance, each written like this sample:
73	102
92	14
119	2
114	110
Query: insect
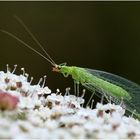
99	82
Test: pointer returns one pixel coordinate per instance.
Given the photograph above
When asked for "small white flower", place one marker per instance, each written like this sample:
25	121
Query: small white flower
92	126
26	102
78	132
46	90
100	106
87	113
44	113
35	120
80	100
22	78
72	120
3	86
24	126
51	124
56	99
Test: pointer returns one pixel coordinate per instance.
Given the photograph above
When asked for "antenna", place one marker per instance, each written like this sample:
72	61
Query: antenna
32	36
28	46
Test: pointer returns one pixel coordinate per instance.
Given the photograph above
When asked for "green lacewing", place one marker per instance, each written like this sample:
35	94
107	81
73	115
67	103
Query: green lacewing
99	82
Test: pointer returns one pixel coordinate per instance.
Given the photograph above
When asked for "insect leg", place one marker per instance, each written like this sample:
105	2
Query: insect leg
107	97
76	88
90	98
65	75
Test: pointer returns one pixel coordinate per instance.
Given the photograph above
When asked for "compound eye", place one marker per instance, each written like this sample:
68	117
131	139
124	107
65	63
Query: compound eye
58	67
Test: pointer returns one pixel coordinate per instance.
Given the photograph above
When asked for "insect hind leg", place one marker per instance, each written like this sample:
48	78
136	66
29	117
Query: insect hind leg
112	99
90	99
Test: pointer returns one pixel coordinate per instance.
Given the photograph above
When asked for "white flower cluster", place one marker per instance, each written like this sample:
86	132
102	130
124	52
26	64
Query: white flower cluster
40	114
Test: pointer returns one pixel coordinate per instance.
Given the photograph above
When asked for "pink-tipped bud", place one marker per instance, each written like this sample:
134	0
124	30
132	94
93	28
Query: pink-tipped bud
7	101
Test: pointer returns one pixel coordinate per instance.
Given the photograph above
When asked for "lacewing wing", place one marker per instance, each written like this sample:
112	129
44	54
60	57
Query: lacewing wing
132	88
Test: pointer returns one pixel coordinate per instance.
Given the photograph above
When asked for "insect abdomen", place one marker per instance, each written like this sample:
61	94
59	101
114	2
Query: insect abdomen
84	77
109	88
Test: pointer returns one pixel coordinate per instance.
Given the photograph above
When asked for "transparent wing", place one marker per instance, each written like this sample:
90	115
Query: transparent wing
132	88
91	88
100	93
130	107
115	79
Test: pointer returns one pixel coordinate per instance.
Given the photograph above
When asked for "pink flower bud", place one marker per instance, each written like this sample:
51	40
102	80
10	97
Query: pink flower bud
7	101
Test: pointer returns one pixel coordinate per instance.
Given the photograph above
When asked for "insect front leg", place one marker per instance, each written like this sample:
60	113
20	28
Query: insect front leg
65	74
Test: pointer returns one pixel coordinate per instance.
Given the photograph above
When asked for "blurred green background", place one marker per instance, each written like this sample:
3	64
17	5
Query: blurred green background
97	35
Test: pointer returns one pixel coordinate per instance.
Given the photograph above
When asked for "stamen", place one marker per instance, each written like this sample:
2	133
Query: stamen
7	67
15	66
83	94
102	99
31	79
23	70
40	80
82	105
27	75
67	91
57	91
44	81
92	103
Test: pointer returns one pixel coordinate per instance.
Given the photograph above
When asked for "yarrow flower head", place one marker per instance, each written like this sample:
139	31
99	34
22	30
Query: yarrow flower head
33	112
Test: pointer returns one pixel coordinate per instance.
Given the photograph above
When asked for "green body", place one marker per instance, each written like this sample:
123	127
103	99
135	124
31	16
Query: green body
80	75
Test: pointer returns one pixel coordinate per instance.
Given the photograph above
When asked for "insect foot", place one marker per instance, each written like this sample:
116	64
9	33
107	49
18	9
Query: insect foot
34	112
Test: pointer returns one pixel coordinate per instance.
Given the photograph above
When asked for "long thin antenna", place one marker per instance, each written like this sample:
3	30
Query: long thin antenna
33	37
25	44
